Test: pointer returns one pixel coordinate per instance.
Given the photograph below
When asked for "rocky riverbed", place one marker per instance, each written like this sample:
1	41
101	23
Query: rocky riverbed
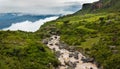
68	59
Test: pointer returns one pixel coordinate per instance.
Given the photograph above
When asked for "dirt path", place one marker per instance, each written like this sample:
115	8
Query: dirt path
68	60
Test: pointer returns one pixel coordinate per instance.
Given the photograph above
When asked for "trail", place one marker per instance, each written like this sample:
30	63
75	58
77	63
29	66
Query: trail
68	59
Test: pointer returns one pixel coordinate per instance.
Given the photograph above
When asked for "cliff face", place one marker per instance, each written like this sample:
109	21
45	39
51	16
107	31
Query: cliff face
86	6
97	5
102	5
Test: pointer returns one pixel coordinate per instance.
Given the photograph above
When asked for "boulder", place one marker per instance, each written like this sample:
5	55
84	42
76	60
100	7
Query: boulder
83	59
71	55
51	44
76	55
57	53
71	49
57	44
55	37
88	60
69	67
91	68
70	64
51	39
45	41
61	47
53	49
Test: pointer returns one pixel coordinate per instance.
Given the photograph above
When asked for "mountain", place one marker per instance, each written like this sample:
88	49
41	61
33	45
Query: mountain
94	30
6	19
100	6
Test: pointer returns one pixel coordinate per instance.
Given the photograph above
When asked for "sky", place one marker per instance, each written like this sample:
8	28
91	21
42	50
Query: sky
39	7
42	7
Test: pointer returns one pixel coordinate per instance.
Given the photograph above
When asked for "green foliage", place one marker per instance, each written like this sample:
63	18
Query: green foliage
95	34
20	50
100	6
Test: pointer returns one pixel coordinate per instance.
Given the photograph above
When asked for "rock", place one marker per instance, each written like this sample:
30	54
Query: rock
57	44
61	47
77	62
91	68
73	65
45	41
51	44
71	49
51	38
83	59
76	55
70	64
112	47
53	49
69	67
57	53
55	37
88	60
71	55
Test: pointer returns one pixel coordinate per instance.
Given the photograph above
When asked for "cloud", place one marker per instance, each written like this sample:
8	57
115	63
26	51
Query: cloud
29	26
41	6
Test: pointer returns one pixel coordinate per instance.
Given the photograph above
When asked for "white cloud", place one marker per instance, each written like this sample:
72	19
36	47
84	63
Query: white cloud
40	6
29	26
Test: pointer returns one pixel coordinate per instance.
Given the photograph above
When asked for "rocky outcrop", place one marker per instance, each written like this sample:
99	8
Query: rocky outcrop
99	6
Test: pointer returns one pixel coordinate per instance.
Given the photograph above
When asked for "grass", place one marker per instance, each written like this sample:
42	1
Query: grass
89	43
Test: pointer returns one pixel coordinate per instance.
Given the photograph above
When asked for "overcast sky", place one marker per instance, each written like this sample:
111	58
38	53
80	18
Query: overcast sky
41	6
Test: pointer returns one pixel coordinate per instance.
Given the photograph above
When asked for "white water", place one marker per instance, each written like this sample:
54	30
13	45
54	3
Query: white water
64	56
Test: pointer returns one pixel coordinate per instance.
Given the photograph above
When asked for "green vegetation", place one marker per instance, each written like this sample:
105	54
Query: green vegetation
96	33
20	50
95	30
100	6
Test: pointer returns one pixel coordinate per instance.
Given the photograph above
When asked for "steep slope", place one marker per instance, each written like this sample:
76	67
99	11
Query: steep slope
95	34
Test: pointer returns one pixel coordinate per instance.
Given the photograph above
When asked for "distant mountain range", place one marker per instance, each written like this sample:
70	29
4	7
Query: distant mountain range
6	19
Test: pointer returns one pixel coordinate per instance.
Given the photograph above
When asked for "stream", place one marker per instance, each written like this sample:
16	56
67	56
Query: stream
68	59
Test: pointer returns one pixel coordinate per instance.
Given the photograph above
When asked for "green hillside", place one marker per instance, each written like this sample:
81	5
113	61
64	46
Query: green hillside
96	35
93	31
21	50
